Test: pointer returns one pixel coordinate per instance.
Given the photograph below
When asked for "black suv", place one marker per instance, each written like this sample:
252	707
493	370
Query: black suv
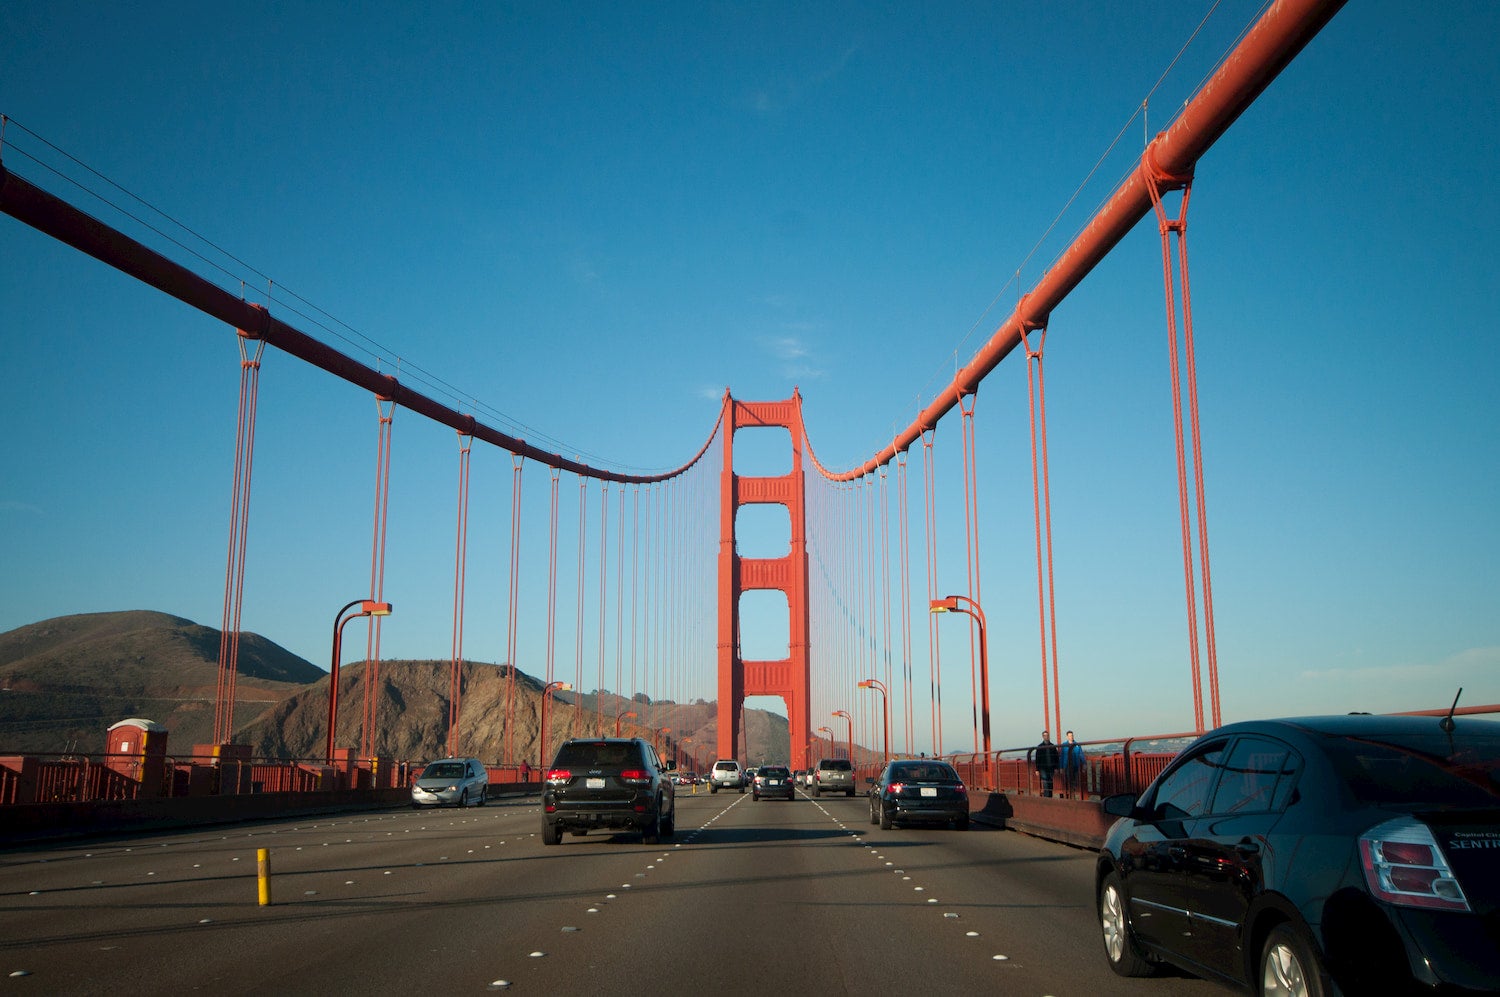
608	782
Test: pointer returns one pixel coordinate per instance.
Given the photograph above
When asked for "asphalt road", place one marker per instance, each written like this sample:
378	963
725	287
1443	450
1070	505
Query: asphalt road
802	897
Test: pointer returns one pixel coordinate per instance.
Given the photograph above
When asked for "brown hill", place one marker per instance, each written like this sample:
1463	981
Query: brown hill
412	716
63	681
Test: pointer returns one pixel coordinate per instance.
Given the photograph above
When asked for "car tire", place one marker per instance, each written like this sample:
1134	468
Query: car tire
850	794
713	790
885	819
484	797
551	833
815	792
873	819
1119	941
962	824
669	824
1290	966
651	833
463	800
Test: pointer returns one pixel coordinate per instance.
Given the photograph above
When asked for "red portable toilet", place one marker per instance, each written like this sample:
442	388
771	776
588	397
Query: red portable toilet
137	749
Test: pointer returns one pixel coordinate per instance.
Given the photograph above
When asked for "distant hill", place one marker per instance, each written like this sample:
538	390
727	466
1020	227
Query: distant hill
64	681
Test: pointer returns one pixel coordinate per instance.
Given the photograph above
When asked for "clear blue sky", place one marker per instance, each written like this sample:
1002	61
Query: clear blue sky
594	218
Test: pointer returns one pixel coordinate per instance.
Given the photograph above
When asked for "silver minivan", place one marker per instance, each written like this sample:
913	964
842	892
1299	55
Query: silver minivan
460	782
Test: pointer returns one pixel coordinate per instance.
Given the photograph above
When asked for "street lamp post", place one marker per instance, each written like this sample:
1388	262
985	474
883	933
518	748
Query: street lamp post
627	713
963	604
367	607
885	710
547	691
850	720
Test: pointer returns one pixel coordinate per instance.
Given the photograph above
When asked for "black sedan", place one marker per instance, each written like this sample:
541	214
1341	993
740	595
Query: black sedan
1351	854
773	780
919	791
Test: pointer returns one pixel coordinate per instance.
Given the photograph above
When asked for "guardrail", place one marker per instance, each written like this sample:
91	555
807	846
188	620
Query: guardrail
86	778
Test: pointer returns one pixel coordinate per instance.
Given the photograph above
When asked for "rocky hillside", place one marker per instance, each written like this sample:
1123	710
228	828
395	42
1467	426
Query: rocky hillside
64	681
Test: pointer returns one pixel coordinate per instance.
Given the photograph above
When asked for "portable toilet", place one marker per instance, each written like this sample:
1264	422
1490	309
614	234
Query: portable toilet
137	749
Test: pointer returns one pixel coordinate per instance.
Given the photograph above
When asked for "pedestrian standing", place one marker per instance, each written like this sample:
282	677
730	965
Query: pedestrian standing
1046	760
1072	767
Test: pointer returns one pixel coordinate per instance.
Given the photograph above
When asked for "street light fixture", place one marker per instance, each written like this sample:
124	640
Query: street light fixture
847	717
367	607
547	691
963	604
885	710
829	732
627	713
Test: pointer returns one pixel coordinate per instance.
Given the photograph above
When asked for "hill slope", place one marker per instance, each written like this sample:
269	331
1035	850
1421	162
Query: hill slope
65	680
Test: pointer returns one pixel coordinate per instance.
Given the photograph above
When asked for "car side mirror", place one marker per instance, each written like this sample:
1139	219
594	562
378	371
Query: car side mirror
1120	805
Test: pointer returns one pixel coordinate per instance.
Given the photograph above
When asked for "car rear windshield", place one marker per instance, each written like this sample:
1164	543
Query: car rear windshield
726	766
1421	770
598	754
929	772
836	764
773	772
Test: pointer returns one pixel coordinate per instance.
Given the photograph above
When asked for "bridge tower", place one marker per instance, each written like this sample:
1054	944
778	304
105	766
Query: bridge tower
788	678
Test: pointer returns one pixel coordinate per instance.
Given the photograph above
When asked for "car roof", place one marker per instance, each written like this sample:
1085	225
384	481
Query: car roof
1364	724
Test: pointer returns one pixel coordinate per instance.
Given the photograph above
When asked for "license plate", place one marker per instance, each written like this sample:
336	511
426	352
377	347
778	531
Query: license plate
773	782
929	791
593	783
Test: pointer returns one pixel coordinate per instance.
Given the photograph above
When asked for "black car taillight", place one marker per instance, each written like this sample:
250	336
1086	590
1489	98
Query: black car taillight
558	776
1403	865
635	776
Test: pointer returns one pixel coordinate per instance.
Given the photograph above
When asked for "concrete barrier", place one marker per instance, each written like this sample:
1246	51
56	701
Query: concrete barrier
1082	823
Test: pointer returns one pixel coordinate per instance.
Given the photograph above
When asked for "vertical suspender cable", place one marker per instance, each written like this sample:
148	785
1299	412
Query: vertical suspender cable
583	505
603	591
551	586
460	572
1156	181
971	524
1041	497
885	584
239	526
904	567
630	689
934	654
517	462
386	409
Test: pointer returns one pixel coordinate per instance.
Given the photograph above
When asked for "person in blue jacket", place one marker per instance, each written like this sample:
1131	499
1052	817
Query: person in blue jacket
1071	753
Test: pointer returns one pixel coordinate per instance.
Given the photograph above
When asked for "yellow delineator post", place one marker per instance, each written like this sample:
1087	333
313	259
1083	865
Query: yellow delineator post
263	874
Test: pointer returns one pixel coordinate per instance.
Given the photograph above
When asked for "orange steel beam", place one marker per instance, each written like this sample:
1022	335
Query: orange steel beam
1267	48
53	216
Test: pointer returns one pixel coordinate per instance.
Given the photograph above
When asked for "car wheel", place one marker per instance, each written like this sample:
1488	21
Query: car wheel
873	819
815	792
484	797
885	819
551	833
850	793
463	800
669	824
962	823
1119	942
651	833
1289	967
713	790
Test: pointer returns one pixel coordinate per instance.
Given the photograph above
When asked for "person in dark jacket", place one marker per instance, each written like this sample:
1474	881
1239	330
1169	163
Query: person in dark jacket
1071	753
1046	759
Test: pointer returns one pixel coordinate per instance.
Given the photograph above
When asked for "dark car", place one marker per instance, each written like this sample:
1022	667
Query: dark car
1295	856
614	783
773	780
919	791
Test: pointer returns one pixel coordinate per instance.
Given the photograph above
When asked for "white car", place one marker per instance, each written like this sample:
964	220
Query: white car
726	775
460	782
